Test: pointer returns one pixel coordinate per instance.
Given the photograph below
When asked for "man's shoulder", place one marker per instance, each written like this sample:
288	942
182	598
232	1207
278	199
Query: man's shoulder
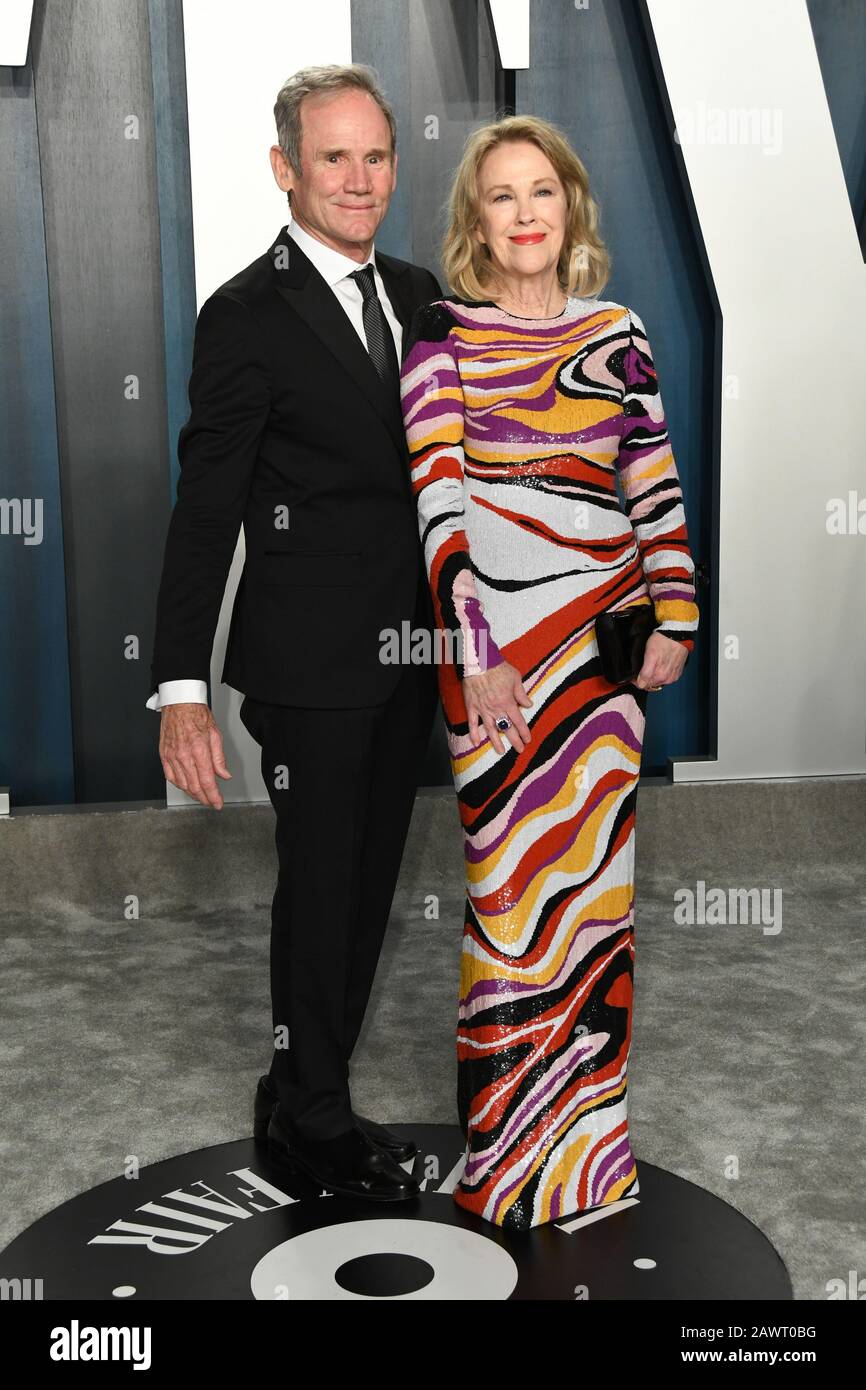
399	267
420	282
252	286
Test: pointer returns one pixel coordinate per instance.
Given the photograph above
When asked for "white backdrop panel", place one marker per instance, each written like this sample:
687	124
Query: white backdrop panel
780	234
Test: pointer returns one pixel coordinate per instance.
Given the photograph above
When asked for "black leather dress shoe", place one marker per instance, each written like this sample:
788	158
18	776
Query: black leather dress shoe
266	1099
350	1164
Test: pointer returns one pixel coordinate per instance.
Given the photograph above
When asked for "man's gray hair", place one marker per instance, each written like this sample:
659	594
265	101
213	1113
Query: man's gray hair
312	81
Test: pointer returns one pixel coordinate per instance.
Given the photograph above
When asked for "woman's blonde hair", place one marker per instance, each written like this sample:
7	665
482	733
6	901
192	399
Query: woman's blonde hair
584	263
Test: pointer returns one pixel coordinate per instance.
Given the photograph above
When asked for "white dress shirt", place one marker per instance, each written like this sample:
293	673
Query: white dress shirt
335	269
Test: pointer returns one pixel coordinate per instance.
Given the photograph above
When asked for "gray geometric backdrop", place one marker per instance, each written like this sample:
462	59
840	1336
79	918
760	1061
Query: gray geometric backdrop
96	273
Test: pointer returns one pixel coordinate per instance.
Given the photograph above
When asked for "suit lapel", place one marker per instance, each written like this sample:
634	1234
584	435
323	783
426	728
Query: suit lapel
301	285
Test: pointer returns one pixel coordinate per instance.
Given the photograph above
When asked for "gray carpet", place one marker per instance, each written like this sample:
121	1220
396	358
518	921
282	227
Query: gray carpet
127	1035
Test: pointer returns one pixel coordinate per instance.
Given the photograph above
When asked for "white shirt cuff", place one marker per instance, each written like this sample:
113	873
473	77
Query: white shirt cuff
192	692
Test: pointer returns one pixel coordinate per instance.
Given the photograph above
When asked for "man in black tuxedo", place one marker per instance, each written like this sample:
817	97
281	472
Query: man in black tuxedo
296	431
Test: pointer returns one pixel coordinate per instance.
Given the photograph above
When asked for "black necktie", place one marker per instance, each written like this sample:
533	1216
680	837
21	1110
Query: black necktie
380	340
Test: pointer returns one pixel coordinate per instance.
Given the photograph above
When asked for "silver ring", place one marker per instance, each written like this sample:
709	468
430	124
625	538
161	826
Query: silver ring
503	723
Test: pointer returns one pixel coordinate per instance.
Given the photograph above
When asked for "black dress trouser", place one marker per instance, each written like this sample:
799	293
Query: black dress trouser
342	783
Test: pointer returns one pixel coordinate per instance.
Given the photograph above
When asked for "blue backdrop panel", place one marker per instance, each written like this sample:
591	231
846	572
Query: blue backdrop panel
380	37
174	194
839	27
593	73
35	717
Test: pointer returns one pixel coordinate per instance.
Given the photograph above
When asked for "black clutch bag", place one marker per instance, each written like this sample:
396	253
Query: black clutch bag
622	637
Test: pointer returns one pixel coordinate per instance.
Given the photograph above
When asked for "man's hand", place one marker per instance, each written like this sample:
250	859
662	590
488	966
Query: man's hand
191	749
488	696
663	661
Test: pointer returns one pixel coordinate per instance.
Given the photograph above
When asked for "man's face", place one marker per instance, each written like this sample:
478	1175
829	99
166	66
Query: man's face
347	176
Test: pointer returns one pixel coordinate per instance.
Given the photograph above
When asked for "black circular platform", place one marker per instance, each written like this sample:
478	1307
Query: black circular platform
228	1222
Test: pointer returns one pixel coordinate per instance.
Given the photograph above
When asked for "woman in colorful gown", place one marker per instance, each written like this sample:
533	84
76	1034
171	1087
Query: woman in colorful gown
525	397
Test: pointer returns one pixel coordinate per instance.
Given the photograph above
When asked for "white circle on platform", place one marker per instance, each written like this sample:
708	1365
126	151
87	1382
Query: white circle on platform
465	1265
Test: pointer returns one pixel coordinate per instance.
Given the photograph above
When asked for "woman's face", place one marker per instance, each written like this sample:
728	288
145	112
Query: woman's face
521	209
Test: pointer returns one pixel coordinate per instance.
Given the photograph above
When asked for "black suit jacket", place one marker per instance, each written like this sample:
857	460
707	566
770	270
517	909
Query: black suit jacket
292	434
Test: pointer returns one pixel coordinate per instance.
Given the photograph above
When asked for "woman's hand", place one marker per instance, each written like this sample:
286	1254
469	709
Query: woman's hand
663	662
490	695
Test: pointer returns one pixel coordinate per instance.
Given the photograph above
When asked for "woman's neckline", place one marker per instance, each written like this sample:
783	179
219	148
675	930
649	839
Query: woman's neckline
533	318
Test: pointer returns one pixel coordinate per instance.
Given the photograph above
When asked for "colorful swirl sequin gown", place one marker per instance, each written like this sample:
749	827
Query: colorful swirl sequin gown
517	430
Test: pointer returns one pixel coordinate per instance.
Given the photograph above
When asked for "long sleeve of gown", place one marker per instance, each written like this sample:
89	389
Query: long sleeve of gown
654	500
433	415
